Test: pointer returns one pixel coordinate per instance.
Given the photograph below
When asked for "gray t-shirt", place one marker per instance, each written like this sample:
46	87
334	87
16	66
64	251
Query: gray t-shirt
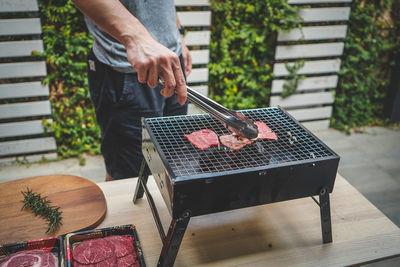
157	16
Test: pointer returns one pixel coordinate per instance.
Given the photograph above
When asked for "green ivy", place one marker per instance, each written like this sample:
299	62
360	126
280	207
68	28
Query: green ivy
290	86
67	44
242	49
371	45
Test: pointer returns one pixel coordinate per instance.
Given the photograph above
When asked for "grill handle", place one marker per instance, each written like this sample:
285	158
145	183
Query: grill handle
231	119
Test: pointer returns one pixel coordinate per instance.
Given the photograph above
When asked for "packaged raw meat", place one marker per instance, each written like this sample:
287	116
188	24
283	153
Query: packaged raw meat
114	246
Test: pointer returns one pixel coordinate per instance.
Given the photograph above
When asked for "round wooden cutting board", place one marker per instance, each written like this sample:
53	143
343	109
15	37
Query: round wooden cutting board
81	201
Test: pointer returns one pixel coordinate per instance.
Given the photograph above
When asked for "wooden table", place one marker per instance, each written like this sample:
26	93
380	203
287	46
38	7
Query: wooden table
278	234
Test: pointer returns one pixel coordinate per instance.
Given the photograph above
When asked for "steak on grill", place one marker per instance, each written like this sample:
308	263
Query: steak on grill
203	139
28	258
264	132
234	141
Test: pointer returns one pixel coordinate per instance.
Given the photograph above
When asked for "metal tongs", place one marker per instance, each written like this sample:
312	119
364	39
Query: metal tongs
232	120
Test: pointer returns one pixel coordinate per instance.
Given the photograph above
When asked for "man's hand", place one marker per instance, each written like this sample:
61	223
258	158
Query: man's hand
187	58
152	60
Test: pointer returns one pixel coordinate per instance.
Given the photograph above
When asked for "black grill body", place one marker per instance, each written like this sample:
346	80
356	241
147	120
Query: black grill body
196	182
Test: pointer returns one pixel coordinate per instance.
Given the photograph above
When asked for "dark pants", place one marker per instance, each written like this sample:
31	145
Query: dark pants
120	102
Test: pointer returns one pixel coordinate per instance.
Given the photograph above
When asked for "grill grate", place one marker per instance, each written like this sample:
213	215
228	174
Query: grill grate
293	144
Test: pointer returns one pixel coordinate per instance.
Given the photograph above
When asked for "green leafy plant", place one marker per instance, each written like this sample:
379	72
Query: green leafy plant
371	45
41	207
67	44
291	85
242	49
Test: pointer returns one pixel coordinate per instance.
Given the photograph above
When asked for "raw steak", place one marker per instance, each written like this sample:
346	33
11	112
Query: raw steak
122	245
203	139
234	141
93	251
264	132
128	260
109	262
113	250
28	258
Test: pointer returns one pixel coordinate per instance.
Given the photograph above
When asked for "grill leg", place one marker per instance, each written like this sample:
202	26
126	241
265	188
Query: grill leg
173	240
325	209
143	176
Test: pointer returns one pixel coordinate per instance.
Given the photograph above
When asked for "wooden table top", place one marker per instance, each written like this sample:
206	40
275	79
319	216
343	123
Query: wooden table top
81	201
278	234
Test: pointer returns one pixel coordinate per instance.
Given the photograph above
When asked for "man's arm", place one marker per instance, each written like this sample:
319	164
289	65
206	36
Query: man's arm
147	56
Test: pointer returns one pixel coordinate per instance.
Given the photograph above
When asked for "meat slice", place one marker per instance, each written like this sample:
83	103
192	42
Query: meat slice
35	257
122	245
264	132
128	260
109	262
203	139
93	251
234	141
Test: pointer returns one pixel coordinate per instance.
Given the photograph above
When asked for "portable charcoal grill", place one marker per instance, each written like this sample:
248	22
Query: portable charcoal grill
196	182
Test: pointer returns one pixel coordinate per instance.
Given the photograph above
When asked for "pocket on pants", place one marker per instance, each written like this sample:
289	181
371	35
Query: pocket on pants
118	86
96	78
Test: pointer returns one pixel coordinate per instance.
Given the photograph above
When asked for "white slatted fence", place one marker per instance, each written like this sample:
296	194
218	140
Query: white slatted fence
23	104
197	22
320	45
18	6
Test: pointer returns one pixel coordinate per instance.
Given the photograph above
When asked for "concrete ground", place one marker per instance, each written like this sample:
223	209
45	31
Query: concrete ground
370	161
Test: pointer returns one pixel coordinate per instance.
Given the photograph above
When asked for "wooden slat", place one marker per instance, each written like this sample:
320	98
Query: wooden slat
22	69
296	2
192	3
314	33
312	83
18	90
26	109
20	48
197	38
20	26
303	100
192	110
198	75
18	5
308	50
28	158
12	129
200	56
202	89
311	113
314	126
324	14
310	67
194	18
27	146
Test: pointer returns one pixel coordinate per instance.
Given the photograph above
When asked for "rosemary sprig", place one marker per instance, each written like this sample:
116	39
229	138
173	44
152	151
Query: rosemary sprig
40	206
